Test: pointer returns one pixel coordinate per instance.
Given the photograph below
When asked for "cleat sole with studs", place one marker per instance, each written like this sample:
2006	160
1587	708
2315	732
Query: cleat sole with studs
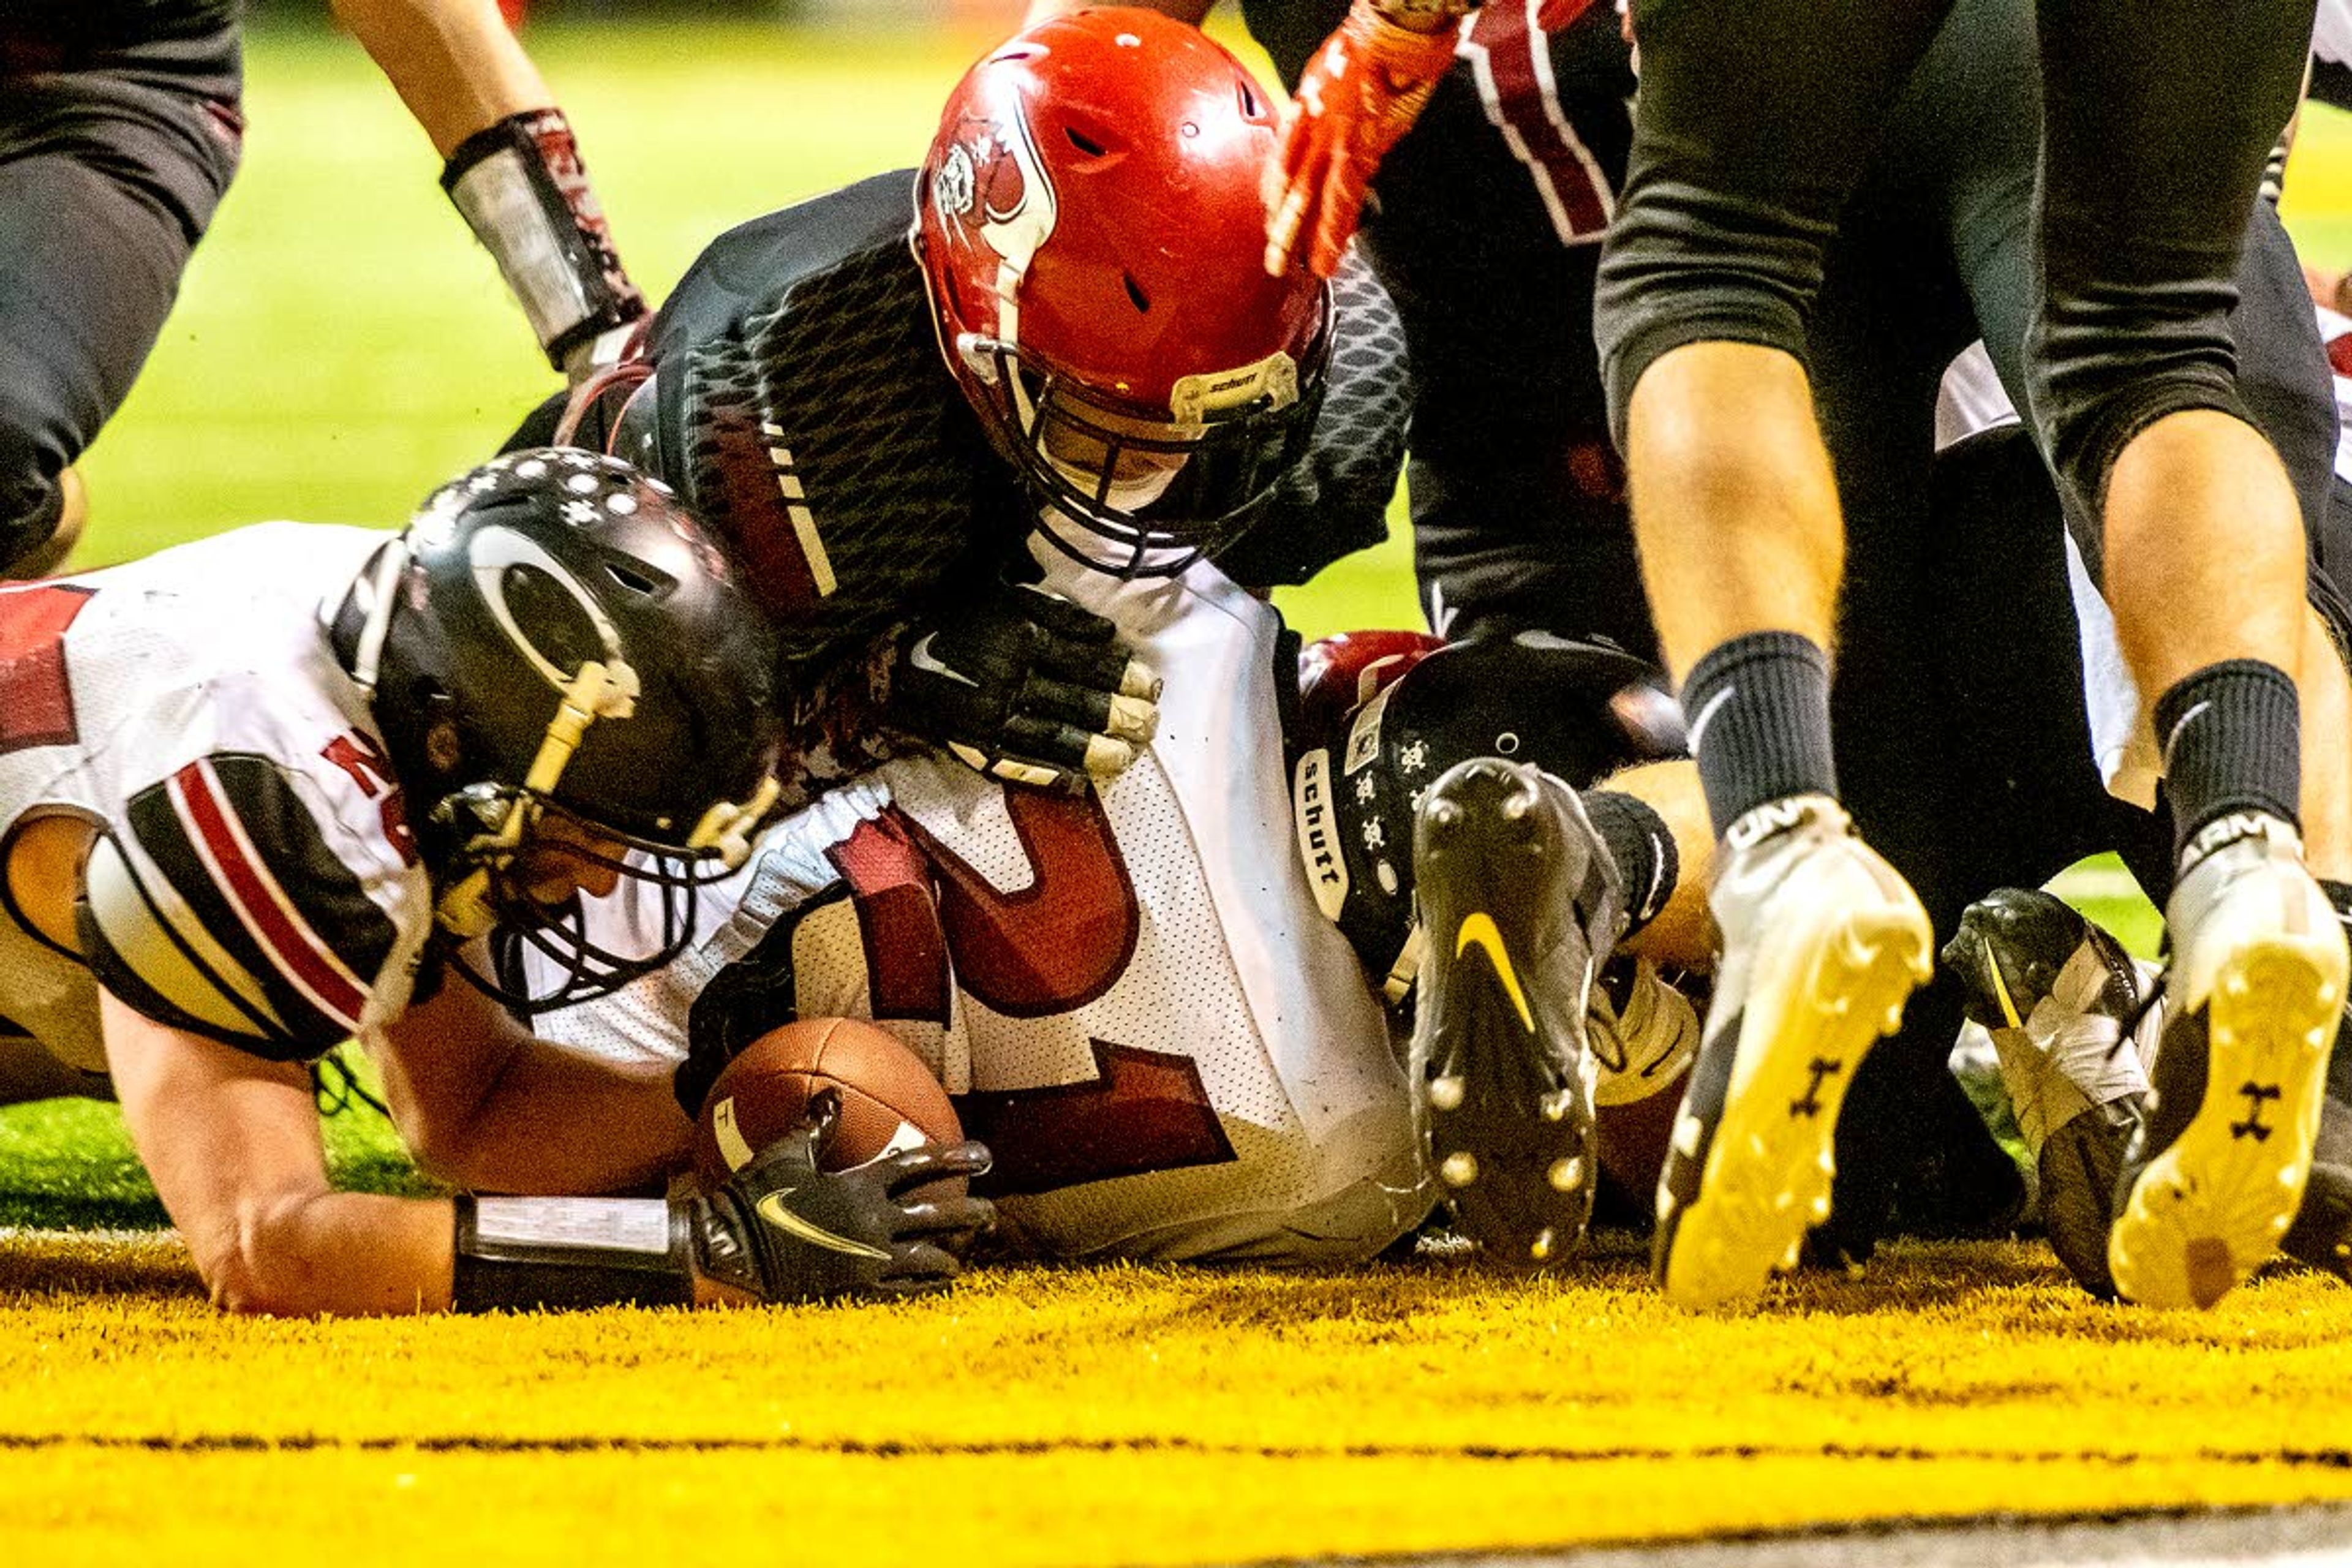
2210	1210
1765	1181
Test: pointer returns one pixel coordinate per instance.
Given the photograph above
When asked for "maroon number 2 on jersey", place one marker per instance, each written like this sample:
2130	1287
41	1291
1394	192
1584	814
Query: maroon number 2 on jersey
1048	948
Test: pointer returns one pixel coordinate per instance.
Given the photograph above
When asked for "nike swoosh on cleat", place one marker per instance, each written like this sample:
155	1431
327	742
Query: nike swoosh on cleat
1479	931
919	655
2001	987
772	1210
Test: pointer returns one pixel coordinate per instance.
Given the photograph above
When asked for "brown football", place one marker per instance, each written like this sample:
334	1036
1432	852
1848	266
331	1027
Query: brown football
764	1093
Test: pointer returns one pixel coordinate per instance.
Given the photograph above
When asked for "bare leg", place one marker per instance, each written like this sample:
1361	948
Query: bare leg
2204	550
1735	506
2327	691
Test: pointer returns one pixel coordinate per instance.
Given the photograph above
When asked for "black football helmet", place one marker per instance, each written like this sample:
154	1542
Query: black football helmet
552	636
1386	713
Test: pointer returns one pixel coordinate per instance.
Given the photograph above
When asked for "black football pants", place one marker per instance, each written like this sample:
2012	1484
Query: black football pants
111	164
1756	119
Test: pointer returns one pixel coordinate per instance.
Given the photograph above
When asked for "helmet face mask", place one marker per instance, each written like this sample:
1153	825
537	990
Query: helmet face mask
535	894
1156	489
1091	226
575	690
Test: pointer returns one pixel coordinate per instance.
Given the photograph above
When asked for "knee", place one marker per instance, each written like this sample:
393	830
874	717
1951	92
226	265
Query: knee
2090	429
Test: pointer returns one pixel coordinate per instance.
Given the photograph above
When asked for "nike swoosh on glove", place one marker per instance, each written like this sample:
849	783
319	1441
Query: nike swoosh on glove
785	1229
1026	686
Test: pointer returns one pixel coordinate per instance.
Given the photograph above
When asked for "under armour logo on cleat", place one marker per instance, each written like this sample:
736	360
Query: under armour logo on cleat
2254	1127
1822	1071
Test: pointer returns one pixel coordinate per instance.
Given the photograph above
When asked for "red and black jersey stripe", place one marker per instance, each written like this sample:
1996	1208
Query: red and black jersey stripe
234	847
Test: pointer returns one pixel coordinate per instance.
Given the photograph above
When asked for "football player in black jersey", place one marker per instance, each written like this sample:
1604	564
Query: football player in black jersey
119	130
878	449
1948	812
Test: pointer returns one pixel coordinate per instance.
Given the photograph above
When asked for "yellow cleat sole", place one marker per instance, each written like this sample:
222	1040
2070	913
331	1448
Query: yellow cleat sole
2210	1210
1766	1179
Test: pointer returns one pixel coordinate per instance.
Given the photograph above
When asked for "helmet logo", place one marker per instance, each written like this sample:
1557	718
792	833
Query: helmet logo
951	189
993	166
491	551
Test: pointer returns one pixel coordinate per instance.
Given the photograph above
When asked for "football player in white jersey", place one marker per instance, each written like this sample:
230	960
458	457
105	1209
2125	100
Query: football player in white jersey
1134	991
258	792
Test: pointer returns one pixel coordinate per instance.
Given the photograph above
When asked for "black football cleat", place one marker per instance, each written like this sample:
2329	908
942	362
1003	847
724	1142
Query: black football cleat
2061	999
2254	997
1519	901
1823	943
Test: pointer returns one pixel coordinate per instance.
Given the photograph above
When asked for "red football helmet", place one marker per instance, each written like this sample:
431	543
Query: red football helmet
1091	225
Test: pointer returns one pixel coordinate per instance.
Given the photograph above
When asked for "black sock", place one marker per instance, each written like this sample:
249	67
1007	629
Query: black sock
2339	1062
1645	851
2230	742
1759	714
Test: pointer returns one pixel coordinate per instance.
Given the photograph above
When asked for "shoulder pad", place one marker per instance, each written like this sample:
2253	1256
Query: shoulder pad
749	268
218	907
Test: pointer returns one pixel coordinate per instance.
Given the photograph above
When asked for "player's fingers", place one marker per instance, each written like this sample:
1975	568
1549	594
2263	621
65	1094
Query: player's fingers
1095	756
1134	720
951	1223
1139	679
1062	745
921	1260
1281	233
1105	667
1013	770
1066	618
1343	201
1032	775
824	1116
914	1275
908	1168
943	1214
1087	707
1281	171
1107	758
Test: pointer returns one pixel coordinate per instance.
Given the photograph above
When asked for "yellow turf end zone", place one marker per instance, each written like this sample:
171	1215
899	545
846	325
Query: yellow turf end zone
1143	1416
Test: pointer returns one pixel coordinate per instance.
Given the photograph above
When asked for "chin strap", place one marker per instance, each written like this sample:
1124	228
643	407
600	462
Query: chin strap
598	691
726	827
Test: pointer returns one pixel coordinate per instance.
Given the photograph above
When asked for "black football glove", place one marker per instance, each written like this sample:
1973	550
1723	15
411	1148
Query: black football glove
787	1231
1026	686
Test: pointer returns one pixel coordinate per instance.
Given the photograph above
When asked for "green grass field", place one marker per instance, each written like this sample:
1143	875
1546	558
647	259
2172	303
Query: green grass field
340	347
